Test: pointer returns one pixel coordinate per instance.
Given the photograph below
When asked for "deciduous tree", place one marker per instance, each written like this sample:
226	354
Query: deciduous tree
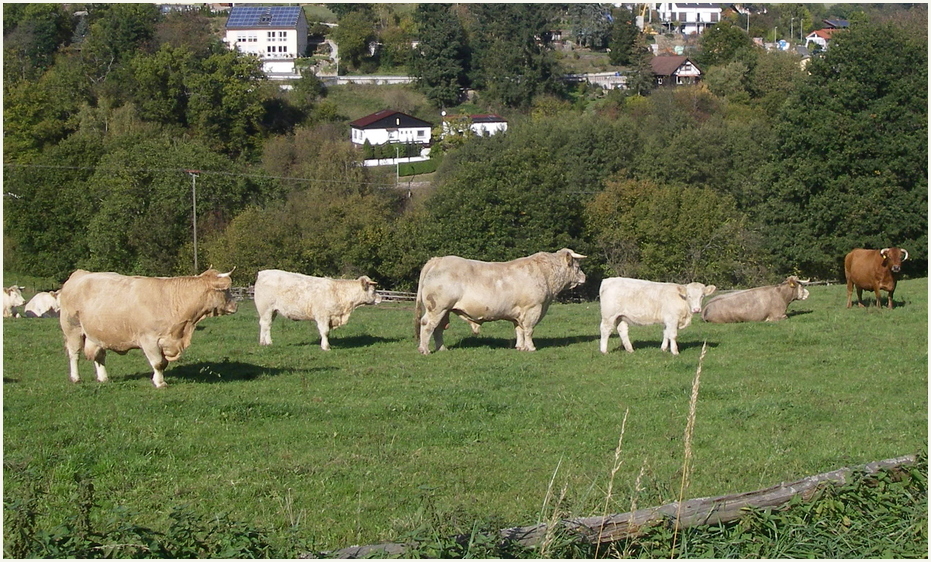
850	154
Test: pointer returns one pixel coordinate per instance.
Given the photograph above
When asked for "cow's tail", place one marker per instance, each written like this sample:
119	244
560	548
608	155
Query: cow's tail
419	305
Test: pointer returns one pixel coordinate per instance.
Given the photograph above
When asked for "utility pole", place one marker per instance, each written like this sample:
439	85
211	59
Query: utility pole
194	174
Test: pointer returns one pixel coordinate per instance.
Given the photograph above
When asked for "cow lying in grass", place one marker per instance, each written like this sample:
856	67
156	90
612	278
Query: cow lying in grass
762	304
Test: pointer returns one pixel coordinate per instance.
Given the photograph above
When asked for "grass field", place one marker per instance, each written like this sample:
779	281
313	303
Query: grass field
372	441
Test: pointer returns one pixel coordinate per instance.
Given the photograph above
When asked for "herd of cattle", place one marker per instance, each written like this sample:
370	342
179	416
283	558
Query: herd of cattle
108	311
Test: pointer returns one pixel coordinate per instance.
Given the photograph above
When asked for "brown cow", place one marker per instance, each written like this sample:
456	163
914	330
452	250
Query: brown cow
109	311
873	270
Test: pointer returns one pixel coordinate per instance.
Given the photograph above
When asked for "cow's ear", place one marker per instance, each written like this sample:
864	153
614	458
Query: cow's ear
710	289
683	291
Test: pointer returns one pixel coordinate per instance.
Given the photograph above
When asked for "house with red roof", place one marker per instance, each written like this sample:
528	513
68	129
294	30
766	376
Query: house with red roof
389	126
674	71
820	37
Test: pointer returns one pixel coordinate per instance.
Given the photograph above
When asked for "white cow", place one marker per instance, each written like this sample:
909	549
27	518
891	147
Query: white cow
635	301
519	290
303	297
12	297
103	312
42	305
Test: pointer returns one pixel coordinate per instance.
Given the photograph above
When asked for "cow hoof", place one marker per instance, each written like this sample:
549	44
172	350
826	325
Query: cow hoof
163	385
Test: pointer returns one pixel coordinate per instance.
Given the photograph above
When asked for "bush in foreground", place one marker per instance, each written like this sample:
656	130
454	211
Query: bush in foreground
881	515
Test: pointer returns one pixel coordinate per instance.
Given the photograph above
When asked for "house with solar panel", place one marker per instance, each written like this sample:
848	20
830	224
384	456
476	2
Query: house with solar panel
275	34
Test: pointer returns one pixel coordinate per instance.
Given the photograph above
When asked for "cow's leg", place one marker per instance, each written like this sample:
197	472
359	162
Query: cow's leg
265	325
528	321
74	343
525	336
438	332
670	332
432	324
608	325
879	302
622	330
323	326
99	356
158	362
889	294
860	297
518	335
849	293
73	365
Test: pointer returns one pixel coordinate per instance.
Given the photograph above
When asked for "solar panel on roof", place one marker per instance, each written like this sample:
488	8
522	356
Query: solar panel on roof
271	16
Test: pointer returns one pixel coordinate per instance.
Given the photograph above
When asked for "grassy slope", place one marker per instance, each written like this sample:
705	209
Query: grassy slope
368	441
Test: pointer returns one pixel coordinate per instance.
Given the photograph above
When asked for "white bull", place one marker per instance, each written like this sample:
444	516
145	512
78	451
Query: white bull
109	311
520	291
635	301
42	305
12	297
303	297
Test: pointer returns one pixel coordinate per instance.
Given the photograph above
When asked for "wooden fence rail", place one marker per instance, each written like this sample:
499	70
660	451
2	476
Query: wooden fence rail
242	293
701	511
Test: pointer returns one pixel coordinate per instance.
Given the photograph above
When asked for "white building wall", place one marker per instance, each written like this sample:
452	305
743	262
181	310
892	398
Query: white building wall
382	136
489	128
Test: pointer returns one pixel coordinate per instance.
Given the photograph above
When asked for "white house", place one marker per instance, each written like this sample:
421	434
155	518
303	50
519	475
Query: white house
275	34
387	126
820	37
689	17
481	125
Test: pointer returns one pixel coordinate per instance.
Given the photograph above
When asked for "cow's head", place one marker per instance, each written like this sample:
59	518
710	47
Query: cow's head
693	293
577	276
15	296
800	293
220	299
368	287
893	258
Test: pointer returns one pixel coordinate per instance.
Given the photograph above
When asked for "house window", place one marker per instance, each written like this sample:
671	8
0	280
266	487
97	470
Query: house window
282	35
682	17
714	17
271	36
241	39
420	134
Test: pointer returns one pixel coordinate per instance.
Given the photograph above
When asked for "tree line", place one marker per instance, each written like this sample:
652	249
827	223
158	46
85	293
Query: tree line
763	170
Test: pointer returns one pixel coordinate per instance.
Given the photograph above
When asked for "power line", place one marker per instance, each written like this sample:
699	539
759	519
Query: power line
214	172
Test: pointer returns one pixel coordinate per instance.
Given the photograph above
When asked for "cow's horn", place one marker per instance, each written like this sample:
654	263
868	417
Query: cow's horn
230	272
576	255
905	252
883	252
805	281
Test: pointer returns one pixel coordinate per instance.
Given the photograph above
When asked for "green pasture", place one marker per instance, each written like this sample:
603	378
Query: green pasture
371	441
